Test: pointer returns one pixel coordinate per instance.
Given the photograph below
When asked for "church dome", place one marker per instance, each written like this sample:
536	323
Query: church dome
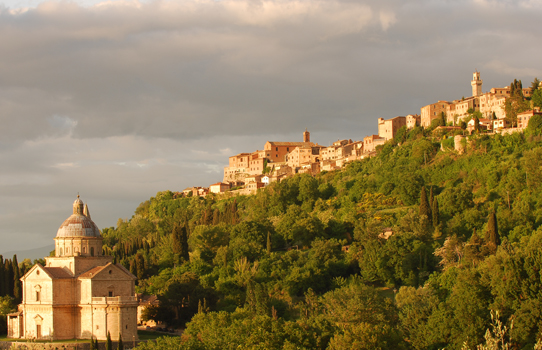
79	223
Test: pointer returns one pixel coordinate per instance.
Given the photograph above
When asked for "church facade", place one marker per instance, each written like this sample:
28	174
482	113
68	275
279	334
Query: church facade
79	293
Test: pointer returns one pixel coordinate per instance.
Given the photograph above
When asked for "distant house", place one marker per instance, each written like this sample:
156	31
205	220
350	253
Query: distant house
387	232
523	118
219	187
144	301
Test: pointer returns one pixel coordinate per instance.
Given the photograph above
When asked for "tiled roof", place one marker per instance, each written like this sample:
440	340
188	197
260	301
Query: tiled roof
290	143
92	272
57	272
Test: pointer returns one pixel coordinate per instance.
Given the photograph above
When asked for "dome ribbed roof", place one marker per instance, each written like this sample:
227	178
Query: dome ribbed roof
78	224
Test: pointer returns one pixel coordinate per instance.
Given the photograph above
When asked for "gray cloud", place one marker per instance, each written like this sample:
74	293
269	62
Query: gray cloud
118	100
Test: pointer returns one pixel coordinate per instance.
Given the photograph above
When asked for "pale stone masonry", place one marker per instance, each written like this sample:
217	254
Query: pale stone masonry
79	293
489	104
388	128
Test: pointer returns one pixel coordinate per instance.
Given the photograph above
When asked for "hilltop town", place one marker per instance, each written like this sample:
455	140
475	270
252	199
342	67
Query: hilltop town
486	112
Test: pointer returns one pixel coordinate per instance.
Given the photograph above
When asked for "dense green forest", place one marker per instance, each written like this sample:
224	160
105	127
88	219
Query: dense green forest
304	264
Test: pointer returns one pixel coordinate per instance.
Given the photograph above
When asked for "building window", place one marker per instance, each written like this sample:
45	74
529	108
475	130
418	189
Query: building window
91	251
38	295
110	293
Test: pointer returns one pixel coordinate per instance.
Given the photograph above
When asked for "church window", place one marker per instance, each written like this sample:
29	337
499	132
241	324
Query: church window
38	272
38	331
38	295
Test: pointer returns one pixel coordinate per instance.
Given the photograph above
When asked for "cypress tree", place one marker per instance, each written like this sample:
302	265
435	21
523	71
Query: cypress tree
92	345
216	217
184	244
268	243
8	277
492	231
16	279
435	212
108	343
177	245
133	270
140	266
425	209
234	212
2	284
431	197
121	345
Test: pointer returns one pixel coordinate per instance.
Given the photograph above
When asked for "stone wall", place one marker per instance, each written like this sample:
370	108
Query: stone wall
5	345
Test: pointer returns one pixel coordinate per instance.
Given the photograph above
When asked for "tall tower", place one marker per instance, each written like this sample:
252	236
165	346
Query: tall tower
306	136
476	84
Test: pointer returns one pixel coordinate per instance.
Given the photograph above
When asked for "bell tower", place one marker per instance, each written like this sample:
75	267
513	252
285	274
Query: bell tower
306	136
476	84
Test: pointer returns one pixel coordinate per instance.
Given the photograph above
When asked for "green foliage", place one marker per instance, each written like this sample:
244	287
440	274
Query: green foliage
7	305
121	344
283	268
108	342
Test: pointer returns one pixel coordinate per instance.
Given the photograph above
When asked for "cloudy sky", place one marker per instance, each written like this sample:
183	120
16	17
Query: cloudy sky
118	100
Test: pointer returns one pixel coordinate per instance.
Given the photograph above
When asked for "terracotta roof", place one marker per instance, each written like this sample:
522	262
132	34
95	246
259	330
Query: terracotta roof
93	272
57	272
290	143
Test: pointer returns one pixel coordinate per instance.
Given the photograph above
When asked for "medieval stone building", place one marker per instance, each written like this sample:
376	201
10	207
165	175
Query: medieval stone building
79	293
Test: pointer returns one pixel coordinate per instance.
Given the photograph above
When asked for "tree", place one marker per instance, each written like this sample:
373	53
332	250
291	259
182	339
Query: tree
180	244
268	243
536	98
425	209
140	266
16	279
492	235
476	124
108	343
535	124
121	345
435	213
92	344
535	85
7	305
2	273
516	103
442	119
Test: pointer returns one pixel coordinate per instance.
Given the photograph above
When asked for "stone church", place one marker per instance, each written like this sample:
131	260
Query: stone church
79	293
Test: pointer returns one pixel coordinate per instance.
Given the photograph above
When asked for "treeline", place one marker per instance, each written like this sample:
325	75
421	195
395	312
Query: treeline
303	258
10	287
10	274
